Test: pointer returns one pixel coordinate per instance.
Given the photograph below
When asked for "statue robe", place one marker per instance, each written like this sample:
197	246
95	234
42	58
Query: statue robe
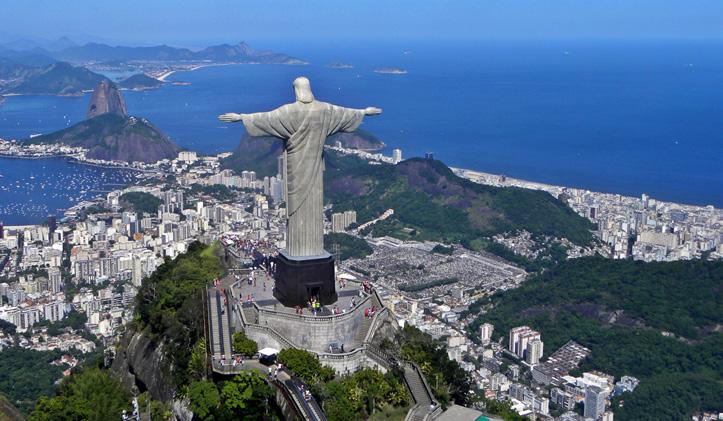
304	128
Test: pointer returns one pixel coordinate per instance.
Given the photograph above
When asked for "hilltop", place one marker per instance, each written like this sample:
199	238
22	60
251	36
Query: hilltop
140	82
117	138
431	203
659	322
55	79
110	134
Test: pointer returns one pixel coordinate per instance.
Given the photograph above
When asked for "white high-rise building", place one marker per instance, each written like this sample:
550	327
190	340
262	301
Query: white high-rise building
519	338
397	156
594	402
485	333
534	352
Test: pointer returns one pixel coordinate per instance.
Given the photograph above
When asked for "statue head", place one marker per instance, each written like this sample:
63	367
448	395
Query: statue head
302	89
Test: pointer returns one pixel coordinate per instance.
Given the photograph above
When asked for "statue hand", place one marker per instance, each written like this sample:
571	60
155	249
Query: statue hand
372	111
230	117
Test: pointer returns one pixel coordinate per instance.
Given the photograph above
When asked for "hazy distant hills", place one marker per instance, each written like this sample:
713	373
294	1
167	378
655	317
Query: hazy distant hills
224	53
44	69
56	79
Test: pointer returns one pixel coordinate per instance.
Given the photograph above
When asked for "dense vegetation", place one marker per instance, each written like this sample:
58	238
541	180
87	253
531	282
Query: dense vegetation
27	375
431	203
217	191
140	202
243	345
169	304
449	382
350	247
361	394
92	395
245	396
576	300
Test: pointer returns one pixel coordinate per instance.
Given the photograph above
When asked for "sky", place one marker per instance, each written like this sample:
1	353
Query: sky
198	22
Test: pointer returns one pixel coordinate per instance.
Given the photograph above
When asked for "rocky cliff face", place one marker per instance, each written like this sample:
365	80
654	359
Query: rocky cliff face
116	138
110	134
106	99
141	365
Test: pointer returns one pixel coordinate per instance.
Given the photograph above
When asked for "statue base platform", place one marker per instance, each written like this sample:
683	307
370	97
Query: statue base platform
300	278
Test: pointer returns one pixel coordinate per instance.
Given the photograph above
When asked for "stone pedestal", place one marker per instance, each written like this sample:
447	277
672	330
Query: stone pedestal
300	278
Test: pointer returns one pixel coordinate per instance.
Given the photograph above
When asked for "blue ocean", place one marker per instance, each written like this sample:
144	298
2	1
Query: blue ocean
613	116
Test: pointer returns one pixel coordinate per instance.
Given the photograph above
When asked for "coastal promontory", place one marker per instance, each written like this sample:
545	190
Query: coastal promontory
111	134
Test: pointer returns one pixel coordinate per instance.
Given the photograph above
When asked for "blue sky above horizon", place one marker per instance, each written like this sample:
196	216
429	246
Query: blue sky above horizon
196	22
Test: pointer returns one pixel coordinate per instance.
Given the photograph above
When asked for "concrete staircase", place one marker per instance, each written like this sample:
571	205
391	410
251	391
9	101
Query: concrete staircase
219	328
250	314
361	334
422	395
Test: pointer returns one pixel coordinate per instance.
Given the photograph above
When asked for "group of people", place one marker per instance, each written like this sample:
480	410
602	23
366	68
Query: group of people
314	305
305	392
233	361
274	371
370	311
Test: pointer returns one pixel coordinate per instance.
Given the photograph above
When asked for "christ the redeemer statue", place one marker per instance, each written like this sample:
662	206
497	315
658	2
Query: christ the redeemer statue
304	126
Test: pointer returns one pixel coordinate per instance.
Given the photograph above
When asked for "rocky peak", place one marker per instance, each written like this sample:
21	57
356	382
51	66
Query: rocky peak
106	99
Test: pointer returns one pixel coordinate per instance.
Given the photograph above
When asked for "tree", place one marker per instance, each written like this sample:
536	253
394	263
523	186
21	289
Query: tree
244	345
204	399
92	395
305	365
245	395
197	363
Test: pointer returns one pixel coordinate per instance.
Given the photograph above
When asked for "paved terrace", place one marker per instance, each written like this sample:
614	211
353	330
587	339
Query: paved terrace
262	293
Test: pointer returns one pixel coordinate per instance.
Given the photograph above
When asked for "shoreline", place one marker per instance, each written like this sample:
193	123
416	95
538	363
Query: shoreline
475	176
470	175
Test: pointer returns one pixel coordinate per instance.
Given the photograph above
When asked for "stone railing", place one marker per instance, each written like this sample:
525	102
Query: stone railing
310	318
378	356
273	333
375	321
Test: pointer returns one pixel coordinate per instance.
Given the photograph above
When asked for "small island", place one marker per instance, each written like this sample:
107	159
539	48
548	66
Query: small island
340	65
391	71
140	82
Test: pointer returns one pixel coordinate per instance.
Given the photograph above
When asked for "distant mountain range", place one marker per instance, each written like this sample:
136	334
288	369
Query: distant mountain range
110	134
42	71
224	53
55	79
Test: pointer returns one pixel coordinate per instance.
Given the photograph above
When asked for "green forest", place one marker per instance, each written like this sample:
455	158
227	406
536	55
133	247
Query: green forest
680	373
169	303
140	202
432	203
350	247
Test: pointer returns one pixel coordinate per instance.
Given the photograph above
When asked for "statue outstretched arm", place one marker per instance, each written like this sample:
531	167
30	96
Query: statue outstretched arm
231	117
372	111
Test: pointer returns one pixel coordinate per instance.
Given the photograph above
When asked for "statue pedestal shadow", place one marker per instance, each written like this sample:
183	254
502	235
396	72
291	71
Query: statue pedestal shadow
300	278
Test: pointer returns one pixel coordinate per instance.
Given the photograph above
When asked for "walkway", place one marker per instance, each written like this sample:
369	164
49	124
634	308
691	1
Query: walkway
425	407
218	324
